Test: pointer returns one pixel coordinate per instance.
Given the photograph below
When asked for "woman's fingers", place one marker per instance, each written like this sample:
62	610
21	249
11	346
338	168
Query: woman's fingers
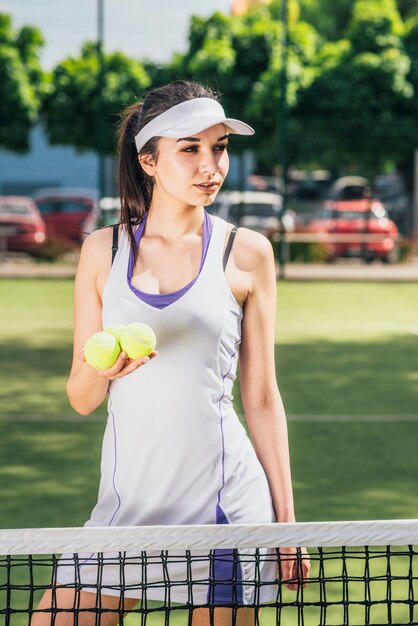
132	364
295	567
123	365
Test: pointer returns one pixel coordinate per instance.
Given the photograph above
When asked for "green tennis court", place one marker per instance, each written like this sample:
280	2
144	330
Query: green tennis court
347	368
347	364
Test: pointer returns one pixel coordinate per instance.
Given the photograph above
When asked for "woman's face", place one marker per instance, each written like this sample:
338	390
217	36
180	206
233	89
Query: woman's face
185	165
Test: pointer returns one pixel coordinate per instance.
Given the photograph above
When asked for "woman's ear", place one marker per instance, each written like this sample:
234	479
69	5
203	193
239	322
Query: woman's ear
147	163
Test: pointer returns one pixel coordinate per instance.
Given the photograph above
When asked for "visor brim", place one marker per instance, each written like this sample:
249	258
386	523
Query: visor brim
234	126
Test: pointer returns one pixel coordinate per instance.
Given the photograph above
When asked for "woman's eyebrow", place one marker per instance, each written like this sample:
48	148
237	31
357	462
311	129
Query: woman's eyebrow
197	138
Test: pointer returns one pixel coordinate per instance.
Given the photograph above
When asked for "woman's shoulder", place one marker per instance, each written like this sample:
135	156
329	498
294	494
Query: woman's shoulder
251	247
96	250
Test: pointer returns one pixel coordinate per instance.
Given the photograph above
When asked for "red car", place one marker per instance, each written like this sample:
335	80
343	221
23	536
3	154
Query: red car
70	214
352	210
22	228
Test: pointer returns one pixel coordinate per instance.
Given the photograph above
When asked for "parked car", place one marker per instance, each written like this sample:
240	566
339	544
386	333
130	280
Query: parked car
22	228
257	210
70	214
390	189
350	188
351	209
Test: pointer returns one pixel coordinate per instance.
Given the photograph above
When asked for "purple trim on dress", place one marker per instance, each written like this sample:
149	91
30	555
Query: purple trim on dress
223	570
226	573
161	300
222	425
114	469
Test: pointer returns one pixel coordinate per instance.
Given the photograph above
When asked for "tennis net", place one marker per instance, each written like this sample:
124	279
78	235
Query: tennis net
361	573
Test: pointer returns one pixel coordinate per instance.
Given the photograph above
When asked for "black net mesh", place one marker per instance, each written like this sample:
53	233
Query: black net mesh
353	585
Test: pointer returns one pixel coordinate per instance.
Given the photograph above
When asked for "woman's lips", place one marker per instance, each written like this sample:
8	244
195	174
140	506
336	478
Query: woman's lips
208	188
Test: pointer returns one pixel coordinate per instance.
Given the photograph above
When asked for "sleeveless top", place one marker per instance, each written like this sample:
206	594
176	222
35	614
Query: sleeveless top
174	450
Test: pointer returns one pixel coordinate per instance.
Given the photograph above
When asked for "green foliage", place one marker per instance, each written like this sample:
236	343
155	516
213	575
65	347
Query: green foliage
375	26
75	110
22	83
240	57
307	252
264	102
411	46
7	35
358	110
407	8
328	17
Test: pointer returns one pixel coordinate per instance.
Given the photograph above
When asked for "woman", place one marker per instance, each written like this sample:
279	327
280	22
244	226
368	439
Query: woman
174	451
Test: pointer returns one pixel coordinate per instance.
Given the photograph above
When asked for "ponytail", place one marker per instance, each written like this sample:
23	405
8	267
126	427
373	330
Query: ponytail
135	186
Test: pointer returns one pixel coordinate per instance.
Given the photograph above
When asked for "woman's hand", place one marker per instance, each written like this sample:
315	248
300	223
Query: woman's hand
123	366
294	567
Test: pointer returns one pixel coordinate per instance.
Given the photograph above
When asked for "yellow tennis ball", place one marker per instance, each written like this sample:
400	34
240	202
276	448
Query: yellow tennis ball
101	350
114	330
137	340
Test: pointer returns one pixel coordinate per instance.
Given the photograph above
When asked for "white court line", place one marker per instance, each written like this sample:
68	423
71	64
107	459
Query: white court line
290	418
52	418
352	418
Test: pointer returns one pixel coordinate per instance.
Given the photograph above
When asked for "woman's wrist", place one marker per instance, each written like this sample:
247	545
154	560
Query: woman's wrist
286	520
285	515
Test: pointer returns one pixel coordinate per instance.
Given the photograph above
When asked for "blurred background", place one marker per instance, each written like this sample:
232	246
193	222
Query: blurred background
330	177
332	168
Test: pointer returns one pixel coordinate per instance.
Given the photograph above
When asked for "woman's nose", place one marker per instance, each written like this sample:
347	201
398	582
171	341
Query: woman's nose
209	162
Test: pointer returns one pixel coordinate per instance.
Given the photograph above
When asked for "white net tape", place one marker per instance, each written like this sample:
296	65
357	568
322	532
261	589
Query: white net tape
206	537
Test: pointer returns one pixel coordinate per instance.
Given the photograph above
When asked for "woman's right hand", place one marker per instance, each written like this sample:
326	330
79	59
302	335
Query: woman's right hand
123	366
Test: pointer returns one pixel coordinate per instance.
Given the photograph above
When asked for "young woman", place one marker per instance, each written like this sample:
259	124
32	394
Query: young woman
174	451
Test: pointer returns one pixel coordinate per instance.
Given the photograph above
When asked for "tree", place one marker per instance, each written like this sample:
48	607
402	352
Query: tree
376	25
407	8
22	83
72	109
330	18
410	42
239	55
304	45
355	113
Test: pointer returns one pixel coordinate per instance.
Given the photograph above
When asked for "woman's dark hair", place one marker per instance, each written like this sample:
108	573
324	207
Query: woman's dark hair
135	186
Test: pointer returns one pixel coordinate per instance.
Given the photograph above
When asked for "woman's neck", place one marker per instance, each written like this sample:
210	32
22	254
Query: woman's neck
171	222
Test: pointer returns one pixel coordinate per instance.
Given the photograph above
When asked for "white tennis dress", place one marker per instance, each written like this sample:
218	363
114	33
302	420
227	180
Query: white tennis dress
174	450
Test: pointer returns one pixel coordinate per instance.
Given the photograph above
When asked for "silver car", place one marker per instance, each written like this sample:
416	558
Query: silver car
258	210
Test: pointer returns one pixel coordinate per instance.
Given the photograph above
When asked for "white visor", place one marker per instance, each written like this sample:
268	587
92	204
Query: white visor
186	118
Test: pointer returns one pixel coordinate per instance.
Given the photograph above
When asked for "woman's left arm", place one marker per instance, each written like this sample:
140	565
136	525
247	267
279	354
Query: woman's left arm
261	398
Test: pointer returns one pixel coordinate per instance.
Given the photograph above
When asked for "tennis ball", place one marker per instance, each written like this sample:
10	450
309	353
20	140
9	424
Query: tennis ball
114	330
101	350
137	340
